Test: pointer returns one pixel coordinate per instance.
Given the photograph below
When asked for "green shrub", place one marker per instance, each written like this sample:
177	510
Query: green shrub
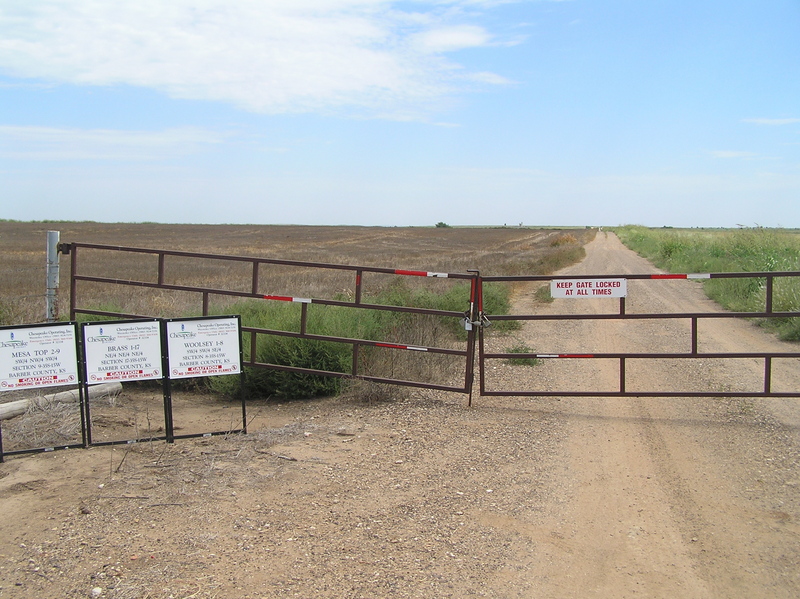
521	348
342	321
298	353
542	294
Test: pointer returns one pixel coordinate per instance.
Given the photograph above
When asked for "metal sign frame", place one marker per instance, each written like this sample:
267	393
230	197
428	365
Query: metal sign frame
42	384
150	376
169	367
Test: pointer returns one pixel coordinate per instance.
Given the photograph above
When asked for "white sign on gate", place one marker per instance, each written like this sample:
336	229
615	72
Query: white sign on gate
38	356
204	347
122	351
588	288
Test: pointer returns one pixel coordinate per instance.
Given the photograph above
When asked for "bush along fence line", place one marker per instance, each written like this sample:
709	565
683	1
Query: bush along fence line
95	355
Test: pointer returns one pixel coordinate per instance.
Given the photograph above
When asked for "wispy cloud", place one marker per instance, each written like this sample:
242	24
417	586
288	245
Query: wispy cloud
732	154
489	77
48	143
449	39
37	85
272	57
789	121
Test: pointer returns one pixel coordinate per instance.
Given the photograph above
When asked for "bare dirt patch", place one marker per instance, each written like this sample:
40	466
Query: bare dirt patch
327	498
424	497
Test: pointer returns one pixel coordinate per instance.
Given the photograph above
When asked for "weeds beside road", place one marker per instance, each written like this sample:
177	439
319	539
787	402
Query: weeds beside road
742	250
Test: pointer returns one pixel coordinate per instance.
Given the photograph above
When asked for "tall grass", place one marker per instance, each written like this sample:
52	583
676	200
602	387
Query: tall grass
742	250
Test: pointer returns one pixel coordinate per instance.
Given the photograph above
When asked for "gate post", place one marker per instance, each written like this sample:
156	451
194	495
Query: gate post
51	314
472	322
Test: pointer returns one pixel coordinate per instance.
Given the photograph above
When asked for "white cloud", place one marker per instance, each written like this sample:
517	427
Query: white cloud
771	121
448	39
263	55
48	143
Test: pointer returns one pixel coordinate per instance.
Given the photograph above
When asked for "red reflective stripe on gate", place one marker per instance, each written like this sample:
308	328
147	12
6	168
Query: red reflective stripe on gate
565	355
423	273
284	298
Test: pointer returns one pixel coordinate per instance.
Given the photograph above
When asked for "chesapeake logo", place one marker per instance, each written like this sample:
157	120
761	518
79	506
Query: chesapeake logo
182	334
101	338
14	343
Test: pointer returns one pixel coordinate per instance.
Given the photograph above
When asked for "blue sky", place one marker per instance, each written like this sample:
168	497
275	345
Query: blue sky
373	112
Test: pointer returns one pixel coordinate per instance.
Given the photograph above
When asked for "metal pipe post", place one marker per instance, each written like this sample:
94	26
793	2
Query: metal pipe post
52	276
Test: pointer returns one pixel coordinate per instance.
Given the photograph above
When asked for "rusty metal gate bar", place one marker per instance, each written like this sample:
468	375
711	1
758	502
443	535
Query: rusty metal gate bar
768	312
205	293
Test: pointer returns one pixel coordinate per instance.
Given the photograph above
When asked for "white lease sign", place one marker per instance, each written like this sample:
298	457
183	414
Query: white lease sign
203	347
587	288
38	356
122	351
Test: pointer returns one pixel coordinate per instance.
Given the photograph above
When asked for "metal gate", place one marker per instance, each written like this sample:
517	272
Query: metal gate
165	271
95	273
689	347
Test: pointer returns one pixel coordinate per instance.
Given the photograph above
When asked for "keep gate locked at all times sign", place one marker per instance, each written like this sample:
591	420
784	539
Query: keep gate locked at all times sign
588	288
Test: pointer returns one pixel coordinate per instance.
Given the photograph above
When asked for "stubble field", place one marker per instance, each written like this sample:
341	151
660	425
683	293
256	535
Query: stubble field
492	250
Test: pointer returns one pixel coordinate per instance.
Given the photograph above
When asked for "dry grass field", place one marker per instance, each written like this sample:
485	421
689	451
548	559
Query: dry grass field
494	251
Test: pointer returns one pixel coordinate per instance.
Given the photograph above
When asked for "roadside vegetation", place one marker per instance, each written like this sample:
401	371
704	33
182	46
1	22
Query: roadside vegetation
740	250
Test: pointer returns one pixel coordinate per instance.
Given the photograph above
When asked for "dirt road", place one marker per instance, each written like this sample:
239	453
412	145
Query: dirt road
424	497
669	497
